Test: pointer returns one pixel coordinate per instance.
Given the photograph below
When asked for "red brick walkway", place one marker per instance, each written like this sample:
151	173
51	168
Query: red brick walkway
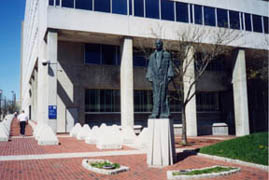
71	169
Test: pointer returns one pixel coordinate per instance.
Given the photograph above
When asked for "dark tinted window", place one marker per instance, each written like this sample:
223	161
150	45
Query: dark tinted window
265	24
209	15
234	20
198	14
68	3
84	4
167	10
247	22
119	6
242	22
257	23
191	13
182	12
130	7
139	8
152	9
51	2
139	59
102	5
109	55
93	53
222	15
57	2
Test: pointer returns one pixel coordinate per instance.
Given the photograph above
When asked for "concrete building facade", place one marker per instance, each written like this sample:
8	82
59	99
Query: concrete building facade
81	60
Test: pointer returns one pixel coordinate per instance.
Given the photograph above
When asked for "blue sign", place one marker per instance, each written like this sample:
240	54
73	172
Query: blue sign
52	112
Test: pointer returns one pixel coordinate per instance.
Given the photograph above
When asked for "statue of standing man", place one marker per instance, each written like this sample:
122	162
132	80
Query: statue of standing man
159	73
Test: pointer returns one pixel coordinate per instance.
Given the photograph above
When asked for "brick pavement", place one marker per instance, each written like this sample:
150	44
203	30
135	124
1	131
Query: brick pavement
59	169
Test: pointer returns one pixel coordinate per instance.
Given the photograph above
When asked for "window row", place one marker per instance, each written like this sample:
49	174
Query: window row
109	55
100	100
173	11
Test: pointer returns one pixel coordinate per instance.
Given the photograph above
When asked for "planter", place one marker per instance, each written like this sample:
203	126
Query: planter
107	169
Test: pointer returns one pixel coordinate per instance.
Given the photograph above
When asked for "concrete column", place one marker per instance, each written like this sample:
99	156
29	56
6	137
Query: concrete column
188	78
126	83
240	95
52	48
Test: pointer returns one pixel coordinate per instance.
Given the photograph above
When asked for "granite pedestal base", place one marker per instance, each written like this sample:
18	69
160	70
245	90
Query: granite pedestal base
161	149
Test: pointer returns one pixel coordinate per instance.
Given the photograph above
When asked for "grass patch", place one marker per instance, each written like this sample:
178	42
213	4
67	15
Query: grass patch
103	165
203	171
251	148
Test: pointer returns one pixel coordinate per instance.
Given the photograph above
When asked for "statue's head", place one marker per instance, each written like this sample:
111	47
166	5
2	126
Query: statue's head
159	44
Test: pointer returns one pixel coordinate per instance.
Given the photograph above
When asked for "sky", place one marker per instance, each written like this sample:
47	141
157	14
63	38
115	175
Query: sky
12	14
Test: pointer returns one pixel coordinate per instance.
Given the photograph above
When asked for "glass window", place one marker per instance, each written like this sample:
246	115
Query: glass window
222	15
68	3
130	7
139	8
142	101
109	55
57	2
234	20
51	2
209	15
242	22
152	9
247	22
182	12
167	7
102	5
119	6
257	23
92	54
139	59
84	4
191	13
198	14
265	24
207	101
100	100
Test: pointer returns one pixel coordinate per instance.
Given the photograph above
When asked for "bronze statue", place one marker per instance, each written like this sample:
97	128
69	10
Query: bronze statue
159	73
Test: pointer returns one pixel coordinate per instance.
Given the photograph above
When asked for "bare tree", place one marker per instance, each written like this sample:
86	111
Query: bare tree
194	49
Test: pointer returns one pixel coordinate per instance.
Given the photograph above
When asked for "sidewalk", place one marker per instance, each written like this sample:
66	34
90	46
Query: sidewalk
57	167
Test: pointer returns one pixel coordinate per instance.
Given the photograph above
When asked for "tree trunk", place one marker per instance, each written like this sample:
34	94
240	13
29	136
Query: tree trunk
184	127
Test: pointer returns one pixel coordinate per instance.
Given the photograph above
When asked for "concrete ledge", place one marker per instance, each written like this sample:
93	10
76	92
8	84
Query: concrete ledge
85	164
236	161
170	175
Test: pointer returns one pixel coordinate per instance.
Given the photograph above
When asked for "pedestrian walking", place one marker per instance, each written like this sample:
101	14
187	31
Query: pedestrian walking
23	119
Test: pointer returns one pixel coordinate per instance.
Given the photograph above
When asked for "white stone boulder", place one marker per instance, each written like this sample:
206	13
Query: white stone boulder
91	139
84	132
143	138
47	137
75	130
4	135
110	138
128	135
220	129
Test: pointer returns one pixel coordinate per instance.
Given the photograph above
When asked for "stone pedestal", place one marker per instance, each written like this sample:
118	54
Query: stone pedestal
161	150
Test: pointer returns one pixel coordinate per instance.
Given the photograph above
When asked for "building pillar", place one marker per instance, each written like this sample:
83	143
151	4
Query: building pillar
240	95
126	83
188	78
52	48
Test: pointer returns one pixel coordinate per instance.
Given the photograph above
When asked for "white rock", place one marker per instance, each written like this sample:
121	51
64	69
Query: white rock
128	135
110	138
143	138
75	130
91	139
47	137
84	132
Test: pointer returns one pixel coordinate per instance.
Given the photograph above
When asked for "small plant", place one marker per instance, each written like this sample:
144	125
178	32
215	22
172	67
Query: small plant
216	169
105	165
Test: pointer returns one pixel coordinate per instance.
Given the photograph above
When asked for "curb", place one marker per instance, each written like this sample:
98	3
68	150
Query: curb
236	161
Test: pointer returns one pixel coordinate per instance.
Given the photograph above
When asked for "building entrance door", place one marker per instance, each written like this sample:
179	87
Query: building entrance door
71	118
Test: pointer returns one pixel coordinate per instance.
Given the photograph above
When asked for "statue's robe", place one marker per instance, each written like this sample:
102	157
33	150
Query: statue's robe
160	72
